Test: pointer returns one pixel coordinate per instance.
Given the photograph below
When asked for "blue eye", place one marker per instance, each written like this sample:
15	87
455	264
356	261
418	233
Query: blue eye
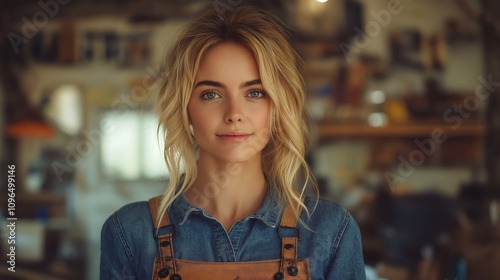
256	94
209	95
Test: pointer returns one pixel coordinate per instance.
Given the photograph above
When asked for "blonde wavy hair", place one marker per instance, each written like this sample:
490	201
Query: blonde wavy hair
281	74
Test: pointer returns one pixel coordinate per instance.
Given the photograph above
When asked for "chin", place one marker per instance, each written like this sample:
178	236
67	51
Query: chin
237	158
231	154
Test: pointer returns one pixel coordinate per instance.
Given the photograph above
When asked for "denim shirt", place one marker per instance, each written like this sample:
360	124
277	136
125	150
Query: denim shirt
332	243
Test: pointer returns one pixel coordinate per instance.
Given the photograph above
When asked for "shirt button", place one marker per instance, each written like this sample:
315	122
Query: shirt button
163	273
293	270
279	276
175	277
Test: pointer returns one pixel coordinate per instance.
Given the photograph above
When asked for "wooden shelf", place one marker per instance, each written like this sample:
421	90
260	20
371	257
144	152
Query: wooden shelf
28	204
41	197
328	130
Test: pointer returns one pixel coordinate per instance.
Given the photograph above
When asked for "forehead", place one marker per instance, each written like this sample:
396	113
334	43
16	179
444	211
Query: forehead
228	61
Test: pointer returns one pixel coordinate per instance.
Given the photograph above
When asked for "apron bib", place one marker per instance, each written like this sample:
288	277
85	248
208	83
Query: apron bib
288	267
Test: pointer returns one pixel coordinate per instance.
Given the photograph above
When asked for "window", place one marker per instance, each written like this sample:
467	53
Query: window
130	147
65	109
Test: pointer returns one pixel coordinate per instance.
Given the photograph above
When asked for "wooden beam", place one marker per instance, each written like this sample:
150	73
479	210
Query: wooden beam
491	47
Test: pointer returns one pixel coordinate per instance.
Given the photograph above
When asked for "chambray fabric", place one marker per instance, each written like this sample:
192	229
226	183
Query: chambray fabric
332	243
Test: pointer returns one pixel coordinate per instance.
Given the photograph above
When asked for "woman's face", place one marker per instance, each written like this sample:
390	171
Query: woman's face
229	108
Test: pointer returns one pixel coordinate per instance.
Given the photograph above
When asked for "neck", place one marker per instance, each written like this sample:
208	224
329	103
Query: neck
228	191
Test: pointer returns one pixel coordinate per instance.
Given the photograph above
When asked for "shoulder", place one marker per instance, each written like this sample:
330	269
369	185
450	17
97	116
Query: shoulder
133	212
128	245
131	227
131	216
325	211
330	219
332	238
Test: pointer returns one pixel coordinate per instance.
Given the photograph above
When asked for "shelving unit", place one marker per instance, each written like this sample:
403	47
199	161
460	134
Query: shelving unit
389	142
329	130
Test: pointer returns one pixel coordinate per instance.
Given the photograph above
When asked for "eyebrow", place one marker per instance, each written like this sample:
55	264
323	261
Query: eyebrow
221	85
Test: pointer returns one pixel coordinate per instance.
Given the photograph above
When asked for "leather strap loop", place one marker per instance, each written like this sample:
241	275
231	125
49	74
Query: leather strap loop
154	206
288	218
165	245
289	243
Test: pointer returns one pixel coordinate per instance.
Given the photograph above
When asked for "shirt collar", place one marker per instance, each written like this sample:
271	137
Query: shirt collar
268	212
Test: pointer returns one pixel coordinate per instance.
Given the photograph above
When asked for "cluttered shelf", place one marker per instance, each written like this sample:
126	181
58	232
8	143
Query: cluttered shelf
330	130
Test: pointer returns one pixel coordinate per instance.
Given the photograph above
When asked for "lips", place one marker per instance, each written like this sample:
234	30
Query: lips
234	136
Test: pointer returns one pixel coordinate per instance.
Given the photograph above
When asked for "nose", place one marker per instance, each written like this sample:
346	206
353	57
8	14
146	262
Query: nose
234	112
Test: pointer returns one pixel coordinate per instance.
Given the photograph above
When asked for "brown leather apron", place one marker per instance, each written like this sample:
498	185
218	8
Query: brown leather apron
288	267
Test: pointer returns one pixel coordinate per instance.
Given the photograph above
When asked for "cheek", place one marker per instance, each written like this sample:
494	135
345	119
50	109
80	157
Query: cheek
264	126
201	125
264	117
199	120
194	112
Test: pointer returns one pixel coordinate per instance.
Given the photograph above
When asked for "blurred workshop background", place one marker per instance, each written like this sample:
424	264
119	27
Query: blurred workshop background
405	97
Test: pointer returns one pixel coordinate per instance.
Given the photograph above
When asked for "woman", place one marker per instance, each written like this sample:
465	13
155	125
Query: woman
232	105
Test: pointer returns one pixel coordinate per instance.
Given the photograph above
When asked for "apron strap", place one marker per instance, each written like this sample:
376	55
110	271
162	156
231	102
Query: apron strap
288	218
164	234
289	234
154	207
